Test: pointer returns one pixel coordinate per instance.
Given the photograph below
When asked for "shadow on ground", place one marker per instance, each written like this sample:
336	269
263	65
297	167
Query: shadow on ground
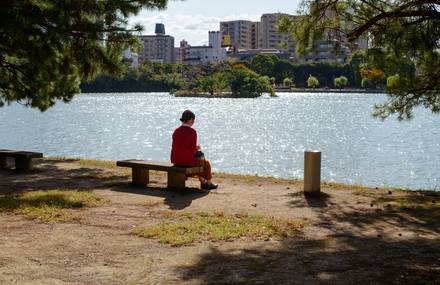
50	174
176	200
375	245
337	260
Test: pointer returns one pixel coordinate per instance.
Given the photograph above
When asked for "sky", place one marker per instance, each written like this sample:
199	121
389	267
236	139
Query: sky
192	19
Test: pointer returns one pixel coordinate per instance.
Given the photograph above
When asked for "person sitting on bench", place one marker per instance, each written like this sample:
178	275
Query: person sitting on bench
186	152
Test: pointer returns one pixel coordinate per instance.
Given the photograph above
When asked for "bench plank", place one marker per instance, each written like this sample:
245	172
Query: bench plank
20	154
160	166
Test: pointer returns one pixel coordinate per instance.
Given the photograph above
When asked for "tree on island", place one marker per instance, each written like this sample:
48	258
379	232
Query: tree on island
340	82
216	82
246	82
399	32
48	47
312	82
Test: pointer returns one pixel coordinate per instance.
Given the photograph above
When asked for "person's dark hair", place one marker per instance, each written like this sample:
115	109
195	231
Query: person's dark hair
187	115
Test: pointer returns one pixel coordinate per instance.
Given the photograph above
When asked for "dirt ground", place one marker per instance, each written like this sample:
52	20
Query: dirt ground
353	235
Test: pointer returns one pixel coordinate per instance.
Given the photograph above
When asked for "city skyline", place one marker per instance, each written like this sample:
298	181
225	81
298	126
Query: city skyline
192	19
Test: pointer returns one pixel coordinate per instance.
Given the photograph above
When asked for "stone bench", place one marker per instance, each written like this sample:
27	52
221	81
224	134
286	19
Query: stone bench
22	159
176	174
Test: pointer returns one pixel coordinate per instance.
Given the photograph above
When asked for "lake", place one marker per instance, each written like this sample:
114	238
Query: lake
263	136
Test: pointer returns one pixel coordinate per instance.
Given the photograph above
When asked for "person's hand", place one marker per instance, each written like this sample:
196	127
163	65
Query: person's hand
198	147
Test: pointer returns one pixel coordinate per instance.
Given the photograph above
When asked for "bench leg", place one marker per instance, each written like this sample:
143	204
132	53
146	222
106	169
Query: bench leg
140	177
3	162
23	164
176	180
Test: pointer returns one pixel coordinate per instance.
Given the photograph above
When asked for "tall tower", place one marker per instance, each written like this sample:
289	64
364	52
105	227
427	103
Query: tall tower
160	29
158	47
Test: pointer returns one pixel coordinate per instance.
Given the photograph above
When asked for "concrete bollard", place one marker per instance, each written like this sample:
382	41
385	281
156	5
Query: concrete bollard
312	172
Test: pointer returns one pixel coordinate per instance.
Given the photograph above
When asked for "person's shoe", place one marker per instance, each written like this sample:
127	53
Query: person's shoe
209	186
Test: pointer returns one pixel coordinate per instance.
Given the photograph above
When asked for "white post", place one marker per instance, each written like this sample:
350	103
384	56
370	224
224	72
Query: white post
312	172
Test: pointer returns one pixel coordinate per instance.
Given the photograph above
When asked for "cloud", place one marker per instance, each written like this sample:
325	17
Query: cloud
193	28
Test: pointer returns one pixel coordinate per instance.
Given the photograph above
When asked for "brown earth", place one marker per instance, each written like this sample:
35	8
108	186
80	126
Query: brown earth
353	234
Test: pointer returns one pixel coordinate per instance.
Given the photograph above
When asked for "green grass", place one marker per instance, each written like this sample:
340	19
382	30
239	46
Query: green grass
97	163
50	206
419	200
254	178
190	228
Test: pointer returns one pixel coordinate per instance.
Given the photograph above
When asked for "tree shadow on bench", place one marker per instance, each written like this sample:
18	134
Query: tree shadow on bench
176	200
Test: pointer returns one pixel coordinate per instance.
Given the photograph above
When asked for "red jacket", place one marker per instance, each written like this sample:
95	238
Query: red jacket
184	146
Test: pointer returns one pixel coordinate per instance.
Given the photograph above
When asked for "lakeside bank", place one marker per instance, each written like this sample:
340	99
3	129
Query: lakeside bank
382	235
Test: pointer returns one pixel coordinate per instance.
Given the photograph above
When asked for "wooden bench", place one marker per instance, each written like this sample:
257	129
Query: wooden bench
22	159
176	174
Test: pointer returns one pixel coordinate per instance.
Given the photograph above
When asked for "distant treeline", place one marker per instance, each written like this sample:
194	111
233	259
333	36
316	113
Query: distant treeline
156	77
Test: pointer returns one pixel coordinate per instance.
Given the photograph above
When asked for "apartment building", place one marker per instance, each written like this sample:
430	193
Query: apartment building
256	37
157	48
247	38
238	34
248	35
271	38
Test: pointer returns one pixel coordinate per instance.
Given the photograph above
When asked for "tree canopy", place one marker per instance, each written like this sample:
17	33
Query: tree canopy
287	82
341	82
264	64
312	82
244	81
48	47
400	33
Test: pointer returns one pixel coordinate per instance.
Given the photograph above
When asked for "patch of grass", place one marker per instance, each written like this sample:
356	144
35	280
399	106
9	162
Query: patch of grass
194	227
97	163
50	206
340	186
427	201
254	178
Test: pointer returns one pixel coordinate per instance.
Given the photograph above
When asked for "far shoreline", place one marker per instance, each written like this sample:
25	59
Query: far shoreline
204	95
